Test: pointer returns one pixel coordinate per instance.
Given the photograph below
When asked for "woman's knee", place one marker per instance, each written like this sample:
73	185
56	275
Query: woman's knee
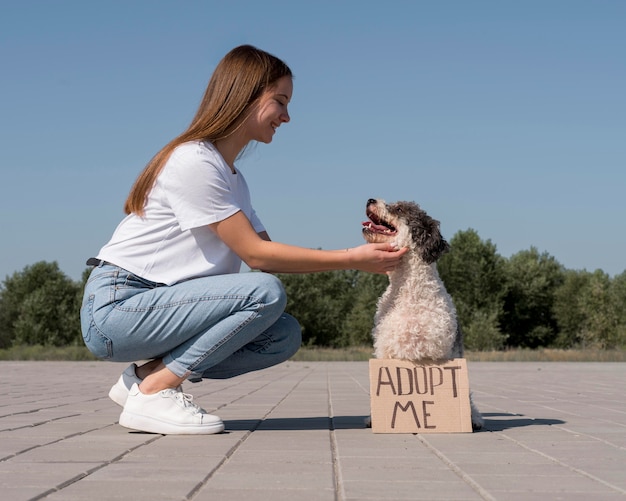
272	290
291	334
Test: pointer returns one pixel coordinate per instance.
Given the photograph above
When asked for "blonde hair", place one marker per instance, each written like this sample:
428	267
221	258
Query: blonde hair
238	81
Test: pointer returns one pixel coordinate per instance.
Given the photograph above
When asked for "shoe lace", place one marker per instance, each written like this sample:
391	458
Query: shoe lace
186	401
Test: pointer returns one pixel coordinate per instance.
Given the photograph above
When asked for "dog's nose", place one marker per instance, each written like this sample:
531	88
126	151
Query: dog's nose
371	201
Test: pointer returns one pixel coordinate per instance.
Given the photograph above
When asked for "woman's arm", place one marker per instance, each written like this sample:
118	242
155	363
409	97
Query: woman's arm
237	232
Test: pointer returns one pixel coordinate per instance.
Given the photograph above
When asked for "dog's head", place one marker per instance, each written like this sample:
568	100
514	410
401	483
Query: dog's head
406	225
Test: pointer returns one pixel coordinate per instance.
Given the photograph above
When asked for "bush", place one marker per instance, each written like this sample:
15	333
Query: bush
40	306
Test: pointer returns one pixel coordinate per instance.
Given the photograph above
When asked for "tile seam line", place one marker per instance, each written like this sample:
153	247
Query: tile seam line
578	415
38	423
66	437
200	485
493	407
47	407
458	471
340	494
565	465
543	406
116	459
597	439
85	474
268	383
258	376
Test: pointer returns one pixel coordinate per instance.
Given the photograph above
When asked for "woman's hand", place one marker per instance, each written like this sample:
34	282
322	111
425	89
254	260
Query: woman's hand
376	258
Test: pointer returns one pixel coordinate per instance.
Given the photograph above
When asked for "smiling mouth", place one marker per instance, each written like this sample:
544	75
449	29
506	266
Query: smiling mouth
378	225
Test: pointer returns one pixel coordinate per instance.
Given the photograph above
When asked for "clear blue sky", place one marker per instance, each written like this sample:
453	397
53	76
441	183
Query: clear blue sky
505	117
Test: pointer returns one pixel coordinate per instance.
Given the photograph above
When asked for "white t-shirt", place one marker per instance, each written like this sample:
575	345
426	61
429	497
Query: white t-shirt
171	242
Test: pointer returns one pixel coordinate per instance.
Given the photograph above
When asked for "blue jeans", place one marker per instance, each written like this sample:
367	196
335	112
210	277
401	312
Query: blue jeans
212	327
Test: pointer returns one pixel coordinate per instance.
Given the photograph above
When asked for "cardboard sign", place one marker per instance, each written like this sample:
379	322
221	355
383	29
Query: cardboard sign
409	397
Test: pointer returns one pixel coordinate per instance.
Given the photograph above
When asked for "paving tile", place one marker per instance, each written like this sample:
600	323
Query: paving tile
296	432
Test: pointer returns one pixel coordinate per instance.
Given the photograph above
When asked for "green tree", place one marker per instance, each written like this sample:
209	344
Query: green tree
358	325
618	301
40	305
474	275
569	315
532	281
483	333
320	302
601	326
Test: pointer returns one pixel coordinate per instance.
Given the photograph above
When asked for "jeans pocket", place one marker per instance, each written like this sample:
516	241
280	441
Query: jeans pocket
96	342
100	345
128	285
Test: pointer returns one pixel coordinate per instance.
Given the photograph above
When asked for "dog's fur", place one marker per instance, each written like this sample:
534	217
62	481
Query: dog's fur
415	317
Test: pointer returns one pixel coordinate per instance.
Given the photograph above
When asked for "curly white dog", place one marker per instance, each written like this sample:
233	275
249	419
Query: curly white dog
415	318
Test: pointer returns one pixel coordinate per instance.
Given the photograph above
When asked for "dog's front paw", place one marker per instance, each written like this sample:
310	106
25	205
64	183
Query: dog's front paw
477	419
477	424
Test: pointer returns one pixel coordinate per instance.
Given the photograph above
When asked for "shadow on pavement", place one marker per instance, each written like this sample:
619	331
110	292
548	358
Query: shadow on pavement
297	423
509	421
492	423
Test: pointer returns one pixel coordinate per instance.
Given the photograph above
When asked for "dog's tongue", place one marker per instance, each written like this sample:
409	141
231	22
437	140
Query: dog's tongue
375	227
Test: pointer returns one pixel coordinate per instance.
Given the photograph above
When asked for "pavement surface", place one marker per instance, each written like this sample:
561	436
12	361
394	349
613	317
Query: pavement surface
295	432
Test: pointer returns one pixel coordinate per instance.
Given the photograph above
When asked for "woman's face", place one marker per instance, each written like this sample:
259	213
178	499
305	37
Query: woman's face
270	112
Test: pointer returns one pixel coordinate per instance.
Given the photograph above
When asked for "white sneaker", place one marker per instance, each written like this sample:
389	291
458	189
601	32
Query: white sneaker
119	391
169	412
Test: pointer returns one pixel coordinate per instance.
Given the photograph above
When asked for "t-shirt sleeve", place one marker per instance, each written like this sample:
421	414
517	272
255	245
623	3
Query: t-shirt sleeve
256	223
197	189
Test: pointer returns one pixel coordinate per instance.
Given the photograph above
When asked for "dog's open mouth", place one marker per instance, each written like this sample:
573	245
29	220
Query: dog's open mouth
378	225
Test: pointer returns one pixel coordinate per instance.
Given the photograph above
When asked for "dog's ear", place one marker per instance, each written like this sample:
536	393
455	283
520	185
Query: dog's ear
433	245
